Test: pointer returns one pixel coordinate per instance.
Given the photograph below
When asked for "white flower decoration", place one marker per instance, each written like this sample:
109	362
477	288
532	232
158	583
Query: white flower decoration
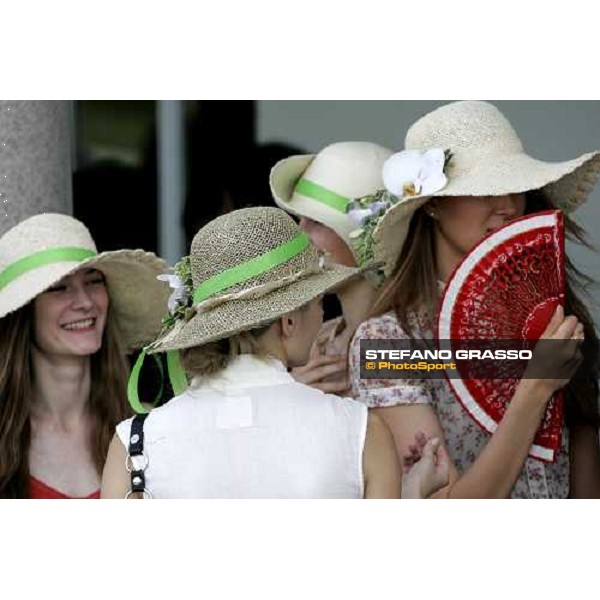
378	207
358	216
179	291
415	173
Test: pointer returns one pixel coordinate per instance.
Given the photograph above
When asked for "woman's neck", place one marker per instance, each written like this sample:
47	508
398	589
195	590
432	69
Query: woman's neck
61	387
356	298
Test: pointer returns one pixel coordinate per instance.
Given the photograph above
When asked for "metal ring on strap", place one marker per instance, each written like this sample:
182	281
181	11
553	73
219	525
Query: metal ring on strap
131	467
145	494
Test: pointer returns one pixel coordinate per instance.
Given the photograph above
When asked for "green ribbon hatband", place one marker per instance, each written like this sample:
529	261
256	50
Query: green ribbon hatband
41	259
251	268
317	192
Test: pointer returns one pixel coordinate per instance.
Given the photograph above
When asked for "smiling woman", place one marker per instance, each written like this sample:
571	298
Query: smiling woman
67	317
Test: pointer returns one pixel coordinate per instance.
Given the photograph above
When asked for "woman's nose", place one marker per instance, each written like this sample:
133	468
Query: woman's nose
82	298
508	204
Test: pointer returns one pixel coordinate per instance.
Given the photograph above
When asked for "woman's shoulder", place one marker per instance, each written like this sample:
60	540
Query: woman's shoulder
380	327
387	326
123	430
155	416
322	404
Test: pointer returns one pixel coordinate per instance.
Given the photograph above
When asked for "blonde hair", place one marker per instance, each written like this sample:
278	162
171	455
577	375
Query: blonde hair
210	359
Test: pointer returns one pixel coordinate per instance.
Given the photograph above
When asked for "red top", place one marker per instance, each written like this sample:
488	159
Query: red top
38	490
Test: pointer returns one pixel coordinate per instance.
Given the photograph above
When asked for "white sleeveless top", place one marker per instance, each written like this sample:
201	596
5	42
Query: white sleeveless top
254	432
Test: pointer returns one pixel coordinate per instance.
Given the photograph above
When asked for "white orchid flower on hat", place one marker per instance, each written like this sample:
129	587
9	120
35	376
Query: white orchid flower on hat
407	174
179	294
415	173
358	216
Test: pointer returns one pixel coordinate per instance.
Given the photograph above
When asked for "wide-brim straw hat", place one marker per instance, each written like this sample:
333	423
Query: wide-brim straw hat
487	159
320	186
248	268
41	250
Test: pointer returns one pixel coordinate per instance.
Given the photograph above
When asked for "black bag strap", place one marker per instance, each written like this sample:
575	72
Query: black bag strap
136	448
136	435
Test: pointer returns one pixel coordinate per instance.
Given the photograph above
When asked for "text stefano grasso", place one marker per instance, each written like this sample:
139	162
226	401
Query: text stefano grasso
497	354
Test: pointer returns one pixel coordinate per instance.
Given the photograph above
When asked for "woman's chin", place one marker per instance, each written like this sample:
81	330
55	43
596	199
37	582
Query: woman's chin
83	347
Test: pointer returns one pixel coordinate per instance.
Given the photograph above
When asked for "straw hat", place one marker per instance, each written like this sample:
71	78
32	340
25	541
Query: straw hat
487	159
320	186
41	250
248	267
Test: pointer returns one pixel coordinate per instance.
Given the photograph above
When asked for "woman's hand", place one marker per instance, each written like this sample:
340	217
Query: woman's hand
415	451
426	469
557	356
325	372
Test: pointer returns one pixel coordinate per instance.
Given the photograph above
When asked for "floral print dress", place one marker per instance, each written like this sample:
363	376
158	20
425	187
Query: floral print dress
465	439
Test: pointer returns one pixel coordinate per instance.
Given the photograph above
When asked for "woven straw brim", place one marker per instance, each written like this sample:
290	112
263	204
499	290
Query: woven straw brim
239	315
391	232
567	185
283	179
137	300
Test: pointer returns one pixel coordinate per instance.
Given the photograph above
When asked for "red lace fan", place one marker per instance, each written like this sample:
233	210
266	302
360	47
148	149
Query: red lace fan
507	287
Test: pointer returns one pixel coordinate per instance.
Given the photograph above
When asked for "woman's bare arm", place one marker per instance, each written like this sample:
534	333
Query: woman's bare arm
380	463
115	478
495	471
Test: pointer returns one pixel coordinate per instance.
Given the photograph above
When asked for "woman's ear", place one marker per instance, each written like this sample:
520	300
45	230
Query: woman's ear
431	208
289	325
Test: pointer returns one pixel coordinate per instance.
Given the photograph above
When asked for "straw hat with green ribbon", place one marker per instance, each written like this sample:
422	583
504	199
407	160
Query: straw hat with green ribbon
41	250
321	186
246	268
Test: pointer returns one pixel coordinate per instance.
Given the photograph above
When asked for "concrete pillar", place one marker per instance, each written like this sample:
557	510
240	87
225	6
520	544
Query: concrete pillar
170	129
35	159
